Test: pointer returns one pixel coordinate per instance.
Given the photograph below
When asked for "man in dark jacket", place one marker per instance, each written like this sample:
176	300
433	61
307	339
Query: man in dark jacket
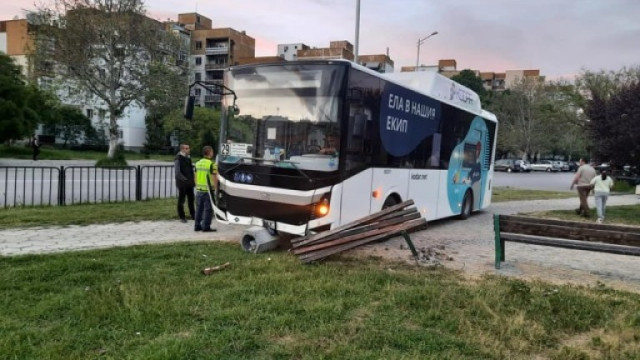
184	181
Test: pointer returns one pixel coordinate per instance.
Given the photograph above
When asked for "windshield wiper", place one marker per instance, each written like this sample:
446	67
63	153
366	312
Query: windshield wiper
293	163
236	165
241	160
261	160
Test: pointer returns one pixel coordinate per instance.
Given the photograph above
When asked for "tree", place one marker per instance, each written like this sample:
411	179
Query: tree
469	79
615	126
71	124
539	118
105	47
17	118
165	88
611	104
203	129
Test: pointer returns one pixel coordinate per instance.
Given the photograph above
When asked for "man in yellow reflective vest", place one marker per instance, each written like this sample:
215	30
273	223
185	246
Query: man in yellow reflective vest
205	181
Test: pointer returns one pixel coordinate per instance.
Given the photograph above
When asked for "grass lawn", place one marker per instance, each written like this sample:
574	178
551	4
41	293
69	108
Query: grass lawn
49	153
624	215
87	214
501	194
151	302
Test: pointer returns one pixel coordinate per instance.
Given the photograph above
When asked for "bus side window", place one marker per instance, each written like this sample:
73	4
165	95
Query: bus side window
357	136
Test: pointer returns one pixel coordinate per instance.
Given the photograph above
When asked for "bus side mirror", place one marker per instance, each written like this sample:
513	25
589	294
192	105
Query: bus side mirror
189	103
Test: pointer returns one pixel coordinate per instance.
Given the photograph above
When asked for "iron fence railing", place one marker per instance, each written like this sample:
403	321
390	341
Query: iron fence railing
29	186
37	186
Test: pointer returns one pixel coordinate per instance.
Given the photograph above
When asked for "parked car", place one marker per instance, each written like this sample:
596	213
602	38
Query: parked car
510	165
573	166
562	165
545	165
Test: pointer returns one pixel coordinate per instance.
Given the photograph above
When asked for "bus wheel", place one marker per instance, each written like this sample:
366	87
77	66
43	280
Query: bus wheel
390	201
467	204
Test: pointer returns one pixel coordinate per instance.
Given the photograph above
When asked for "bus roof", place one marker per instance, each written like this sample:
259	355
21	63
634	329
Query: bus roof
428	83
436	86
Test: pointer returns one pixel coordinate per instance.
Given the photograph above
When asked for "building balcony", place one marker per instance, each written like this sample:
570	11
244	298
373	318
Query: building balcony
216	66
217	50
212	98
210	81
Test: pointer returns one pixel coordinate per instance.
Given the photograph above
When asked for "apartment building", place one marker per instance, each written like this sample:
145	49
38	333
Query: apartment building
15	41
289	52
381	63
212	51
496	81
341	49
336	50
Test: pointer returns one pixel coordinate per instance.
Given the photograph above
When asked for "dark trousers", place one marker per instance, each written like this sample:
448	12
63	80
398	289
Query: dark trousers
185	192
583	194
36	152
204	211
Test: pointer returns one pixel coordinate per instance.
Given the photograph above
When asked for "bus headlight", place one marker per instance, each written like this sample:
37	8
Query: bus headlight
321	208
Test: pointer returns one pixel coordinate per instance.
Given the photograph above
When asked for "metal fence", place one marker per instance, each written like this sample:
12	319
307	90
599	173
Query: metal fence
38	186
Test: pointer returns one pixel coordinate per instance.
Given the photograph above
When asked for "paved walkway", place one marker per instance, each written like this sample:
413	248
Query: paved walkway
470	243
69	238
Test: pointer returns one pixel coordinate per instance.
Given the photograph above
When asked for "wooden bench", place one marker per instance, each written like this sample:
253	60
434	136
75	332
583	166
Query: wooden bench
615	239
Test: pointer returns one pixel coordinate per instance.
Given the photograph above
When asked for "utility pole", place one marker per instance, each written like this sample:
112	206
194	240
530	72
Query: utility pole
357	31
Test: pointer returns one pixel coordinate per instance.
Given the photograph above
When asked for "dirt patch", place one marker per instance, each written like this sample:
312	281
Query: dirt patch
468	246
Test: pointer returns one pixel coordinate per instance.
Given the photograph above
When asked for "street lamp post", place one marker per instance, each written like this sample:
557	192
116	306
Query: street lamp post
420	41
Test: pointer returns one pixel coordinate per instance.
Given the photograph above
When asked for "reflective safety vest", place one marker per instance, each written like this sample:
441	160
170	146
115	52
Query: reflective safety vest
203	174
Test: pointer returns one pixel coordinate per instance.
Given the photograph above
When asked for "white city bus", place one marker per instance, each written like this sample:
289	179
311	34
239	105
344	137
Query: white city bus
401	136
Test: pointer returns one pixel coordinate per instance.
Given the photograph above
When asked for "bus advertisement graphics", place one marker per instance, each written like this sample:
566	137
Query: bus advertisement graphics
406	119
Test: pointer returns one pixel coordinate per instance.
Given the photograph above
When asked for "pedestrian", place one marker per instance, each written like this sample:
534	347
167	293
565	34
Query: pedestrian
602	187
35	144
184	181
582	180
206	181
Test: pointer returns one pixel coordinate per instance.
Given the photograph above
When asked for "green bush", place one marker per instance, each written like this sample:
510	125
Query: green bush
622	186
118	160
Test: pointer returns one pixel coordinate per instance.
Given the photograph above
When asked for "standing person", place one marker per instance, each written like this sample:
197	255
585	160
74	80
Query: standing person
205	180
184	181
583	181
602	187
35	144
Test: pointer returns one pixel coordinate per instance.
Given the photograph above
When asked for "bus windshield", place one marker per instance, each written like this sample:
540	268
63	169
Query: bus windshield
288	116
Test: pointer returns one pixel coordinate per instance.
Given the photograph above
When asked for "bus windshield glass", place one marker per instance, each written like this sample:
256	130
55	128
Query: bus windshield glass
288	116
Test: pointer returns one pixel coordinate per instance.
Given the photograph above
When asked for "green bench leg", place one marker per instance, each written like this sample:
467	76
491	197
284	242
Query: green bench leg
499	243
410	244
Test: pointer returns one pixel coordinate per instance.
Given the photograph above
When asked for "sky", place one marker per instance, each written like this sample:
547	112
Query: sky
559	37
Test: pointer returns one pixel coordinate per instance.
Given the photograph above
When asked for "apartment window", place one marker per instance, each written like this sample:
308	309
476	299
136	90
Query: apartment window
102	113
198	60
89	113
197	76
120	134
198	92
102	73
45	83
198	45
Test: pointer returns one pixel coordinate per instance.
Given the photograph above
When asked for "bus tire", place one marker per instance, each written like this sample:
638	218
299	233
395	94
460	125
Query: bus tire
390	201
467	205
